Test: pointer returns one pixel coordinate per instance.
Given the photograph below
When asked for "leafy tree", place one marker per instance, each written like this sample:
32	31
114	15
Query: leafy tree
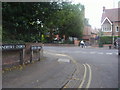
69	19
20	20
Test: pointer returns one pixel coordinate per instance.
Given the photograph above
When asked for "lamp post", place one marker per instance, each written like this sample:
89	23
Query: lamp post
112	35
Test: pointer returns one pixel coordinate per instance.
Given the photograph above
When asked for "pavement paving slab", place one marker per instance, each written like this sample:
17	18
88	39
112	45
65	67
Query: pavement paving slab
47	73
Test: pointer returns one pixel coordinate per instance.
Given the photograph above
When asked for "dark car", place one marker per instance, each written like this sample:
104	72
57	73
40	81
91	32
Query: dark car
118	45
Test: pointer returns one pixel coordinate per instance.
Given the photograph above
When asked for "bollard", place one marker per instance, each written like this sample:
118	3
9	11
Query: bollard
110	47
35	48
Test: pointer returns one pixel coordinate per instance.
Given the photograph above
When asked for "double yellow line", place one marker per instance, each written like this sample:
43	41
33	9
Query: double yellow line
87	67
85	74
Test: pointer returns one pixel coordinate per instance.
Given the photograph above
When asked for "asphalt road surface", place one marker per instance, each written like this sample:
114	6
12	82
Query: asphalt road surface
100	65
68	67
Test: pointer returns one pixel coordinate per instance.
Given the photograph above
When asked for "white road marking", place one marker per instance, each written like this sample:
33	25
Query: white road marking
92	52
109	53
60	54
63	60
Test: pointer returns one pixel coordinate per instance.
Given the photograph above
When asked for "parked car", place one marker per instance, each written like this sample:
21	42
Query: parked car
118	45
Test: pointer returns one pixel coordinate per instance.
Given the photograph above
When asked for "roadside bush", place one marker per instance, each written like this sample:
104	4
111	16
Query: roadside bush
13	42
107	39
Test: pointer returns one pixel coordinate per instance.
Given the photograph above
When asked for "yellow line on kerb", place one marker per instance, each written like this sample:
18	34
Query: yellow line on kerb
90	76
84	77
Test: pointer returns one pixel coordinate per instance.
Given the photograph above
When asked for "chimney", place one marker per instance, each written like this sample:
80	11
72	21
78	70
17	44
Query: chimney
103	9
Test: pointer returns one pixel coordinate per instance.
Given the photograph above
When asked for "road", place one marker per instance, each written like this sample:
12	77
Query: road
100	65
68	67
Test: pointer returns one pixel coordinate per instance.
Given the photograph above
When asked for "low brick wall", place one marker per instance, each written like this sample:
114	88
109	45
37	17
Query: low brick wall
76	42
12	57
104	45
64	45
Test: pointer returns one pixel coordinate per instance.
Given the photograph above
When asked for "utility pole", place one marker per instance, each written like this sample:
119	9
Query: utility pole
112	34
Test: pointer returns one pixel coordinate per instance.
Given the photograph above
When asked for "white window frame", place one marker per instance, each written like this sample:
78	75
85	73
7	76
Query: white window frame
107	29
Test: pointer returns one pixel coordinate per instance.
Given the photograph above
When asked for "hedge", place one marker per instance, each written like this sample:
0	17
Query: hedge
107	39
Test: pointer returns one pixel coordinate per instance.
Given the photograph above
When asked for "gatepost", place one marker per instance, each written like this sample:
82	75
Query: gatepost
35	48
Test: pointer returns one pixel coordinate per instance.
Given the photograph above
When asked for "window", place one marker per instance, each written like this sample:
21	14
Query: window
117	29
106	28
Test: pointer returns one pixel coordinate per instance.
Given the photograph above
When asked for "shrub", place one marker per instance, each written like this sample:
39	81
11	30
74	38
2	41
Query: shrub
13	42
107	39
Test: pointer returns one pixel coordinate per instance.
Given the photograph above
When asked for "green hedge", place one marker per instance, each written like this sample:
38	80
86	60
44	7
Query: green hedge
107	39
13	42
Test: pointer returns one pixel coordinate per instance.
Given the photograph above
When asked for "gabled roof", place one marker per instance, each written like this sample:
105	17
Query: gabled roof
105	20
111	14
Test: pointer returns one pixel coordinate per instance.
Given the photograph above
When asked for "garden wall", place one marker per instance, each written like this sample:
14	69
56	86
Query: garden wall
12	57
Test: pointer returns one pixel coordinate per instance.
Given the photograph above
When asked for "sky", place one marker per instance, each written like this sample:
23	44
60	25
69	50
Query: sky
94	9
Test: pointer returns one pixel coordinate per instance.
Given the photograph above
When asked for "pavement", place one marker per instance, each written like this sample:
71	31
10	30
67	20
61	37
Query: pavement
53	71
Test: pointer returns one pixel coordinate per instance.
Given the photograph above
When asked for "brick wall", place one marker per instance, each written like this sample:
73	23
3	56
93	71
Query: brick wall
12	57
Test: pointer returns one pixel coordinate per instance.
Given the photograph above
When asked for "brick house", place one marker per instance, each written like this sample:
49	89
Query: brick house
87	33
90	34
110	22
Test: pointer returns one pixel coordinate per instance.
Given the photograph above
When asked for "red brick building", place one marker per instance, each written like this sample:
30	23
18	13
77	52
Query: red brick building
89	34
110	22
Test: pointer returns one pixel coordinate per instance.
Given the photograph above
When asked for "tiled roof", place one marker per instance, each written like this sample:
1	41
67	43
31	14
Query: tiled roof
111	14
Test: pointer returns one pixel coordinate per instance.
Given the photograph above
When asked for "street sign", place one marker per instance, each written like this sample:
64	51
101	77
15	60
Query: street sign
36	47
12	46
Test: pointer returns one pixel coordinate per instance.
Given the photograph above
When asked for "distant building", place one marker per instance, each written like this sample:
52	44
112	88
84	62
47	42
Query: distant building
89	34
110	22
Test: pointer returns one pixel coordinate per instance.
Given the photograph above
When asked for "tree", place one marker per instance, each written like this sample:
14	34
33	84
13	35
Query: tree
70	19
20	20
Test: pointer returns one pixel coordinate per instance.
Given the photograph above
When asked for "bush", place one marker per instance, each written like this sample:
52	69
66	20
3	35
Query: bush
100	44
13	42
107	39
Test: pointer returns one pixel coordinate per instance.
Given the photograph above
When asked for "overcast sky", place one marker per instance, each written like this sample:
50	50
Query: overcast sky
94	8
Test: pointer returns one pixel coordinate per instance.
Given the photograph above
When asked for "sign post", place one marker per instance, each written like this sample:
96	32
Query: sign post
35	48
